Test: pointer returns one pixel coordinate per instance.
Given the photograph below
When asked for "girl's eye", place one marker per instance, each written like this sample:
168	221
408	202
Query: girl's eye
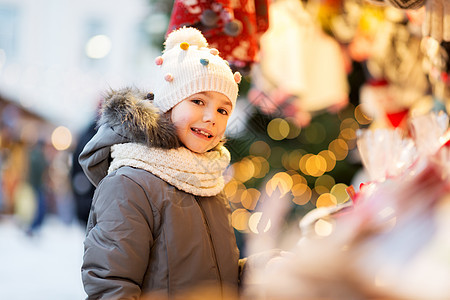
197	101
223	111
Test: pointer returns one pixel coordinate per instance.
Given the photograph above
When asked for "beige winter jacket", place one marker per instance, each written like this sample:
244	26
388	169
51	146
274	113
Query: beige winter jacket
145	238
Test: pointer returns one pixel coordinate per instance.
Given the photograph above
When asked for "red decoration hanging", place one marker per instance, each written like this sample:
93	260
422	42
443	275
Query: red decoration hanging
233	27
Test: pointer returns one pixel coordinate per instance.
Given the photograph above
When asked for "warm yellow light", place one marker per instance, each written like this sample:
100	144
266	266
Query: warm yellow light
330	158
299	189
98	46
244	169
257	165
320	189
324	184
302	163
239	219
348	134
294	130
326	200
233	190
349	123
339	148
302	193
339	191
260	148
249	198
323	228
293	159
261	166
316	165
61	138
361	117
281	181
278	129
254	223
297	178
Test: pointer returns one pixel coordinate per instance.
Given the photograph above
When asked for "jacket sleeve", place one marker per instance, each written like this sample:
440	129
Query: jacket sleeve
118	240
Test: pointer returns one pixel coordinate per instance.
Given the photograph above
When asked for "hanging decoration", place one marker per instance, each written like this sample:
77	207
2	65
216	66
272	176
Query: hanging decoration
397	84
233	27
301	68
436	64
437	20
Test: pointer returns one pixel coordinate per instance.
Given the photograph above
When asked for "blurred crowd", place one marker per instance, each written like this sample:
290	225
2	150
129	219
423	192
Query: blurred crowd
37	179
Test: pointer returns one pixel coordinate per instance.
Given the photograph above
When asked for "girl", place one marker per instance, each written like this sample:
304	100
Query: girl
159	223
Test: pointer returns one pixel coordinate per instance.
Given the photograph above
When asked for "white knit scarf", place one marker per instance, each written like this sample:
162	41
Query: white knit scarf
194	173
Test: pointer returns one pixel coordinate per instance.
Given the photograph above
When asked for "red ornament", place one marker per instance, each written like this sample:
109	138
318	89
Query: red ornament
232	26
396	118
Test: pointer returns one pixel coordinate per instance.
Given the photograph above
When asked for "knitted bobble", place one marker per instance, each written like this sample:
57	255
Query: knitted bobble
159	60
237	77
168	77
204	61
214	51
189	35
184	46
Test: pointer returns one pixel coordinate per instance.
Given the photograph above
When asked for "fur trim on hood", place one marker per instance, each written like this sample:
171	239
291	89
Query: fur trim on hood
127	116
134	113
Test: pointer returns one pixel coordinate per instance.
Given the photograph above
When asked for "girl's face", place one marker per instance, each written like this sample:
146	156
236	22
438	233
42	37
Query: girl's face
201	120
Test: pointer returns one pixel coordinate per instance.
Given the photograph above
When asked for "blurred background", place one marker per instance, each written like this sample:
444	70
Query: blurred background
314	73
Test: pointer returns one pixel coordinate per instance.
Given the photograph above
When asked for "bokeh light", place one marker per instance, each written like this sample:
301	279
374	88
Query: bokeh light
330	158
249	198
339	148
339	191
255	224
239	219
294	130
281	181
244	169
261	166
316	165
349	123
291	160
326	200
302	193
260	148
61	138
323	227
98	46
297	178
278	129
361	117
233	190
302	163
324	184
348	134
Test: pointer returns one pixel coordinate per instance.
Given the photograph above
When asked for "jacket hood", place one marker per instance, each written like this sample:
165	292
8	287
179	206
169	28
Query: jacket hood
127	116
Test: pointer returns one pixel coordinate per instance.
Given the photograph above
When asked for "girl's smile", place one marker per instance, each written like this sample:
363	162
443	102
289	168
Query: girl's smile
201	120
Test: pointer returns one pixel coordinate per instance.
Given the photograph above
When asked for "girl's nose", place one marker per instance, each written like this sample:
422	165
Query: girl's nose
209	116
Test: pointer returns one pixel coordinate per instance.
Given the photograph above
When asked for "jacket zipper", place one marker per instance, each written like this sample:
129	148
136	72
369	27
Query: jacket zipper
205	220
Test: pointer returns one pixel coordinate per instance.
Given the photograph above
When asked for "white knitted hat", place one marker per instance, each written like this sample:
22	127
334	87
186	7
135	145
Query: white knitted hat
188	66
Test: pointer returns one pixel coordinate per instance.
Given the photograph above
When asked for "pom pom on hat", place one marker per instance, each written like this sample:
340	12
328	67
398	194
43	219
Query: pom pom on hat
188	35
159	61
187	66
